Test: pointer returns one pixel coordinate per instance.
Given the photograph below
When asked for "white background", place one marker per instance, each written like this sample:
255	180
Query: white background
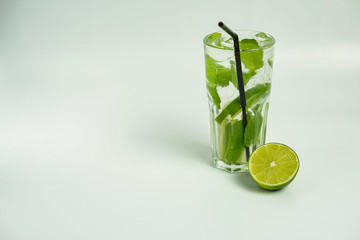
104	130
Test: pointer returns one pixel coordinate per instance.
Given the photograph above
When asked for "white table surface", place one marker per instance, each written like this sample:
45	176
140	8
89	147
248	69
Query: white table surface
102	138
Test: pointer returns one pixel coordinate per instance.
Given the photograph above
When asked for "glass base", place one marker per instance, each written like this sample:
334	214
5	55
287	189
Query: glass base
232	168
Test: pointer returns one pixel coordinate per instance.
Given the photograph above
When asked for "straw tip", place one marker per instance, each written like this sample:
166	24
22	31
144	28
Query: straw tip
220	24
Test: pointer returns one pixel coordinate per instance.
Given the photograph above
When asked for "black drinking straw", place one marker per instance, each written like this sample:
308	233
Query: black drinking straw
239	77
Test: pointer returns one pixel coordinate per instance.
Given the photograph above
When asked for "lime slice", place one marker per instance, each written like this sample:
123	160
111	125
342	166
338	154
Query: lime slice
273	166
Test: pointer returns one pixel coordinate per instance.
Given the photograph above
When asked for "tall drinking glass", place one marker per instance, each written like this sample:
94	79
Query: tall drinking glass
228	138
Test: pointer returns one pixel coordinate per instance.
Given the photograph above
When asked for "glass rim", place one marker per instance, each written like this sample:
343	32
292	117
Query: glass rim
239	31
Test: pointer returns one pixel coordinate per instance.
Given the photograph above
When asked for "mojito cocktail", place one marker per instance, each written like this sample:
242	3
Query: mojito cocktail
228	138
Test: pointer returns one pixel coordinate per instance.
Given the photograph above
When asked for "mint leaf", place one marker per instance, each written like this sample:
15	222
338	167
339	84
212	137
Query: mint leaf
253	127
233	72
211	76
257	128
215	38
251	54
261	35
270	62
235	142
217	73
246	75
223	75
214	96
210	69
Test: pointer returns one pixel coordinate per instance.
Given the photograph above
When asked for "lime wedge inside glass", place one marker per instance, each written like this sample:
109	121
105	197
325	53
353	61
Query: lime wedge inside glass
273	166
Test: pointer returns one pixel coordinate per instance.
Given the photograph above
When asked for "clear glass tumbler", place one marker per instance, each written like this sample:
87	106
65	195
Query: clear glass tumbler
228	139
